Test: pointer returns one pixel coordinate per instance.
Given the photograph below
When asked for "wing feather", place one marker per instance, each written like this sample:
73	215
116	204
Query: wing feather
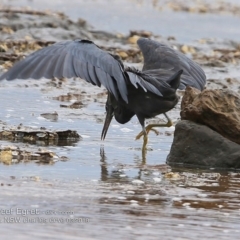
79	58
148	81
159	56
158	81
93	75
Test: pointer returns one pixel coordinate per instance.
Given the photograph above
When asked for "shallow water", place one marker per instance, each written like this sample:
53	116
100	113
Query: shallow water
105	190
88	122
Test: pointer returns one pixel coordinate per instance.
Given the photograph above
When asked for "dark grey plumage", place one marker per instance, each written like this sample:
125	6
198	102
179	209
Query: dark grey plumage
145	93
162	57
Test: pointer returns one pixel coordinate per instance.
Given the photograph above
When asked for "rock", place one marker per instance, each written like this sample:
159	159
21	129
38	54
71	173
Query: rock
198	145
141	33
49	27
219	109
187	49
13	155
50	116
133	39
188	96
123	55
41	135
76	105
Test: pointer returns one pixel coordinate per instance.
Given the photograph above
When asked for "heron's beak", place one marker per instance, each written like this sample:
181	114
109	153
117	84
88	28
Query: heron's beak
107	122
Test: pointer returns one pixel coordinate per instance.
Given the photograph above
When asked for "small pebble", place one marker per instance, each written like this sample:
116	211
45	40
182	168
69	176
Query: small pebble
130	192
137	182
157	180
122	198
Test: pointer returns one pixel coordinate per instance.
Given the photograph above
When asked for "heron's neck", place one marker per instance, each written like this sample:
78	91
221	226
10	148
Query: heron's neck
122	114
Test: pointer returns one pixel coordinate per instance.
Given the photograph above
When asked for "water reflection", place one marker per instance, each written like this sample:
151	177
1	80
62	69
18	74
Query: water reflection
184	188
103	165
140	198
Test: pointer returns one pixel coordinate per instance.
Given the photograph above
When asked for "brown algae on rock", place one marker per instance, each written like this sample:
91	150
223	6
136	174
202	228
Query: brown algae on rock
219	109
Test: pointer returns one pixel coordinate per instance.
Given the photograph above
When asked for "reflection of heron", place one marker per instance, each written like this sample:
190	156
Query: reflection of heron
145	93
103	164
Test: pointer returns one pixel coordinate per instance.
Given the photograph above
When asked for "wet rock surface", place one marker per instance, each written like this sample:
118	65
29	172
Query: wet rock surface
51	26
14	155
40	136
198	145
24	31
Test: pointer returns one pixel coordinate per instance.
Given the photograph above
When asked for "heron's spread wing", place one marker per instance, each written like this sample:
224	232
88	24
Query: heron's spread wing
159	56
79	58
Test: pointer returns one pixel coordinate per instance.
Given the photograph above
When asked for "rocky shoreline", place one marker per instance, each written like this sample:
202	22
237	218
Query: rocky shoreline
24	31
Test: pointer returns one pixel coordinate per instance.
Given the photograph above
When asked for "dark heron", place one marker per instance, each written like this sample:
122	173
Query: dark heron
145	93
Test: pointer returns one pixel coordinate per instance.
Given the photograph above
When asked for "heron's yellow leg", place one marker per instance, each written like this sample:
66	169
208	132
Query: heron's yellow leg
150	127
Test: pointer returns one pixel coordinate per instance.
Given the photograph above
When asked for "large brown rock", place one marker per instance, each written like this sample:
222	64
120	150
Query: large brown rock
197	145
219	109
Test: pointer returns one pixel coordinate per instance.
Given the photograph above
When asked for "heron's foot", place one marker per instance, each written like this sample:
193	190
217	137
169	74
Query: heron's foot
148	129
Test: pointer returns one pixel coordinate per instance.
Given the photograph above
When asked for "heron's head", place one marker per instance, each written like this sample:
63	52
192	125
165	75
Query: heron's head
119	110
